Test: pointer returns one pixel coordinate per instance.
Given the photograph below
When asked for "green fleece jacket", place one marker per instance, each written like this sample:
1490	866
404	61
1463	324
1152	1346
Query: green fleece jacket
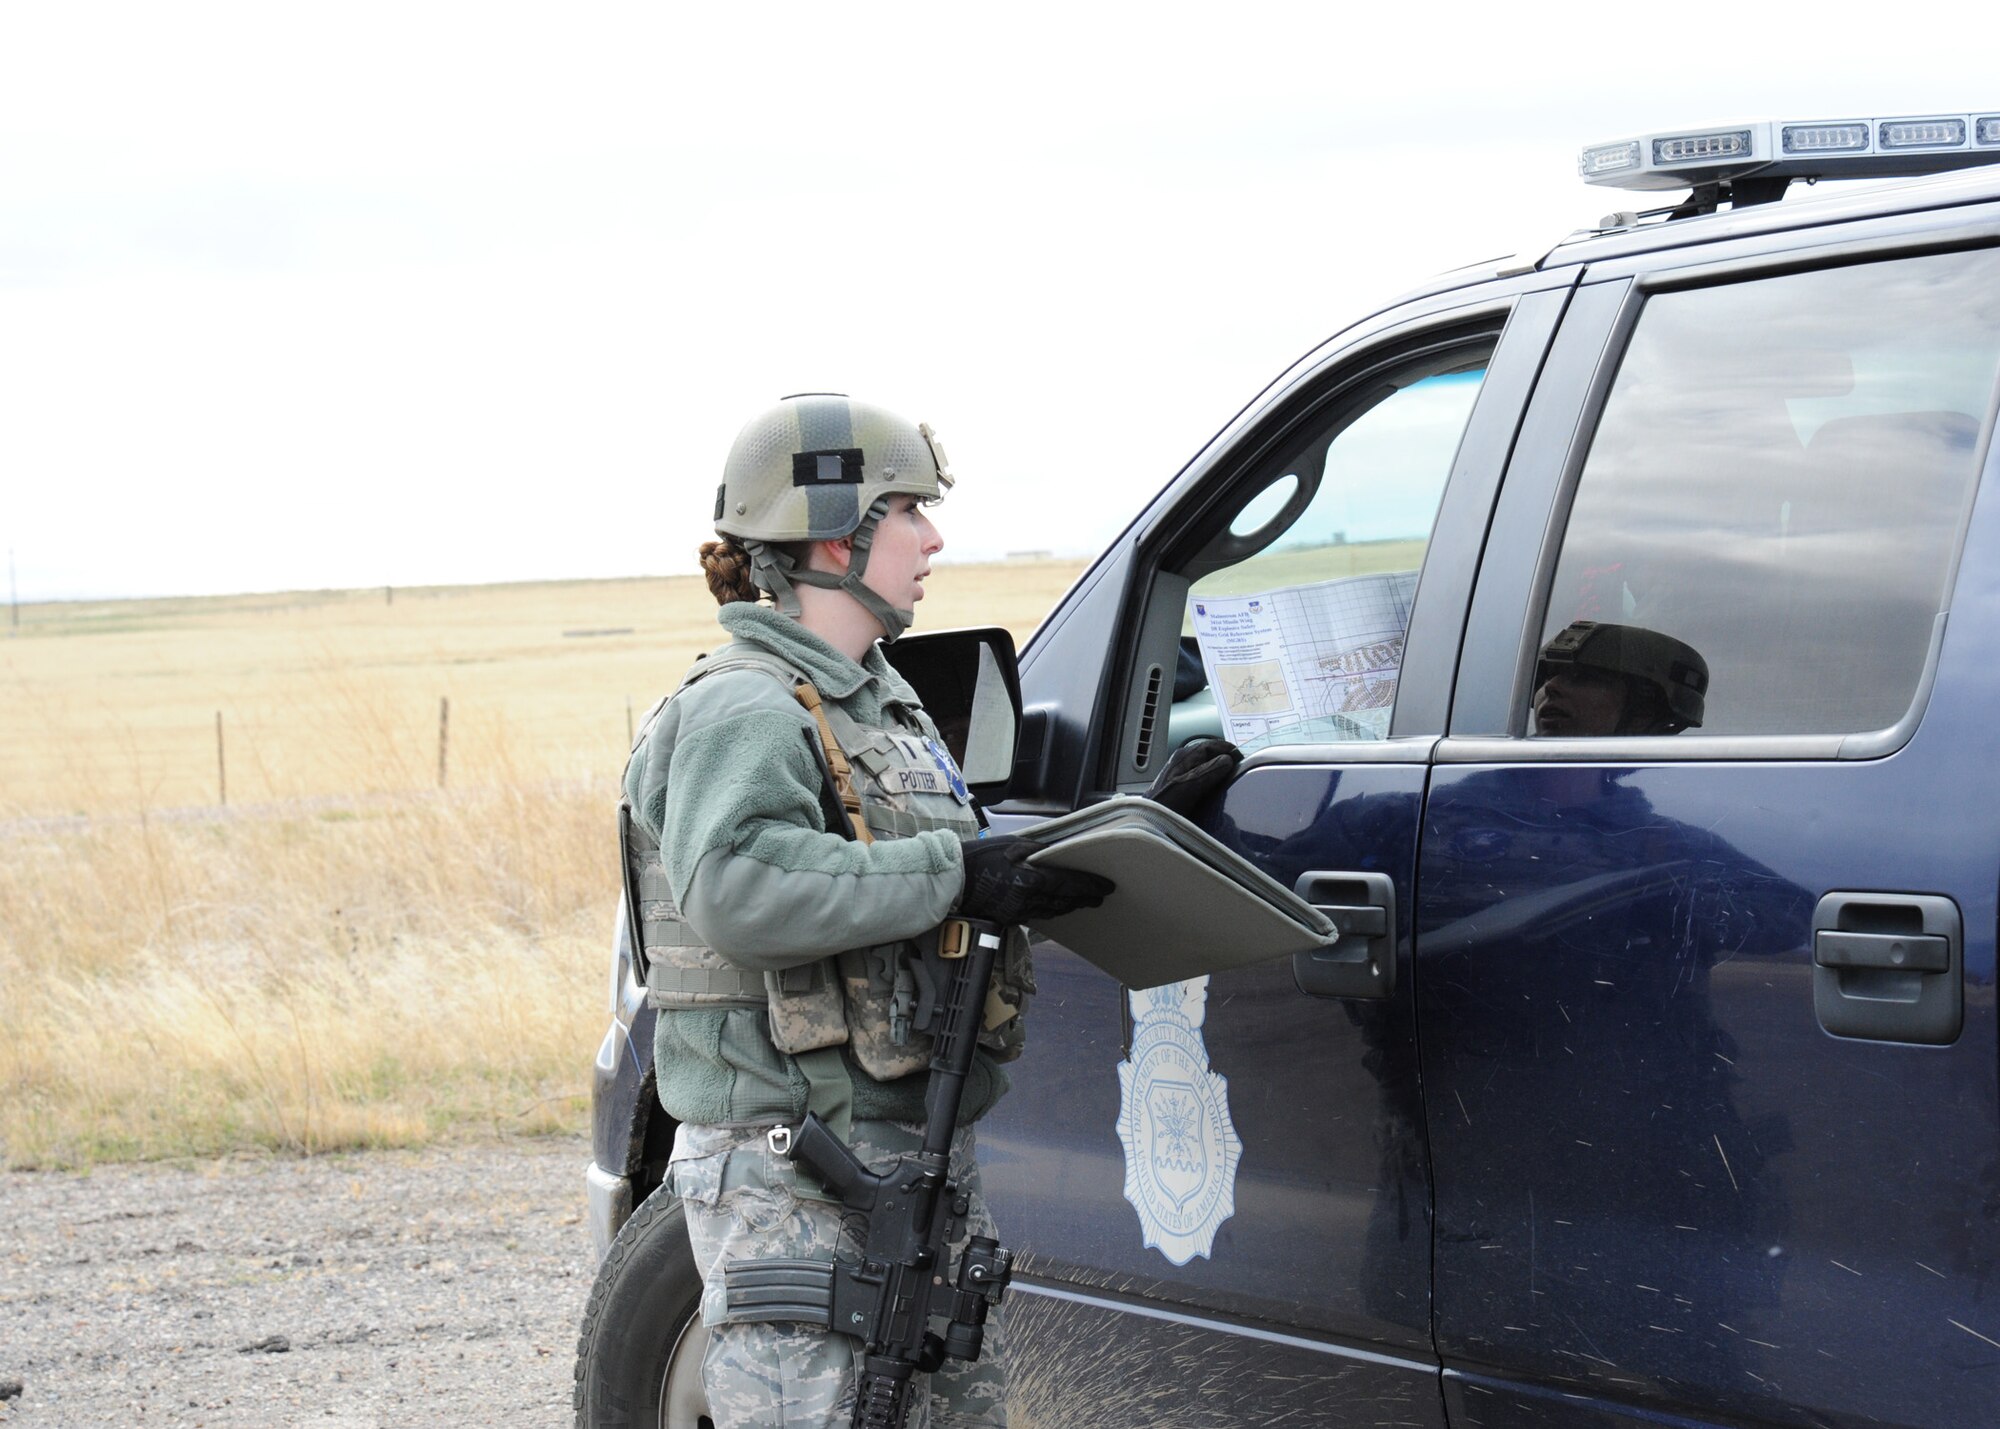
728	783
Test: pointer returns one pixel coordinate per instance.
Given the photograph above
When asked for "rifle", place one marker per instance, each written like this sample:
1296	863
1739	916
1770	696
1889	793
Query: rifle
888	1299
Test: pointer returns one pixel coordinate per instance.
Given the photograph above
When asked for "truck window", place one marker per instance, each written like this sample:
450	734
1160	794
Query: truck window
1301	641
1761	537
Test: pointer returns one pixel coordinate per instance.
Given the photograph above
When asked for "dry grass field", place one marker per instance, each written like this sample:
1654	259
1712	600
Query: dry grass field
346	953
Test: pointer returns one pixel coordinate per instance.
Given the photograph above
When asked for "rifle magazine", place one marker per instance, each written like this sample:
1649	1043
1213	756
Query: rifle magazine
765	1290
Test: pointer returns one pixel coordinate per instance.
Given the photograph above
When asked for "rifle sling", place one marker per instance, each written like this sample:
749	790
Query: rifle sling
836	761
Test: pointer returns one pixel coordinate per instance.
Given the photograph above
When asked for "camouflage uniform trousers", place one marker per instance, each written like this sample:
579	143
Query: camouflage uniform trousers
746	1202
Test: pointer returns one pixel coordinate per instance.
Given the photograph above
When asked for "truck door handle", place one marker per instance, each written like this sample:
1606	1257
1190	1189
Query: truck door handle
1889	967
1362	907
1356	920
1919	952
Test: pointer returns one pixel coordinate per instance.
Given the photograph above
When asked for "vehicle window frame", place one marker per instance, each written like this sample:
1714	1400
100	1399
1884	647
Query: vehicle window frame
1177	532
1513	743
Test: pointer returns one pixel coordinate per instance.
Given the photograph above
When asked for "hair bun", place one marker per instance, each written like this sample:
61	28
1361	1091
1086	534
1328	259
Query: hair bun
726	564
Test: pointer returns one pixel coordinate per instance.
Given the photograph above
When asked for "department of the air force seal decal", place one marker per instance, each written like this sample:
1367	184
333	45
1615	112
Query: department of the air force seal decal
1173	1116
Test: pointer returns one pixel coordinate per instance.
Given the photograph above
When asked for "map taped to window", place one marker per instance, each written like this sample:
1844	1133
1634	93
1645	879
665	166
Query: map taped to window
1306	663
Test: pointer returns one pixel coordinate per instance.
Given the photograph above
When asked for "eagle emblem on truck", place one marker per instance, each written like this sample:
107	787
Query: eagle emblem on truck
1181	1148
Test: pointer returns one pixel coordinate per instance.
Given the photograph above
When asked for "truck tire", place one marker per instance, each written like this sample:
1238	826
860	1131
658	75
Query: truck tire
638	1357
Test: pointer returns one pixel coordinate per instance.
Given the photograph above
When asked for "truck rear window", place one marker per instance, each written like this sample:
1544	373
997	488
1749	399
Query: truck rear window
1777	482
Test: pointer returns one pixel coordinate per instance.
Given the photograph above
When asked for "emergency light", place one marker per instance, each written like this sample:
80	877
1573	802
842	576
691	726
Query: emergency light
1777	150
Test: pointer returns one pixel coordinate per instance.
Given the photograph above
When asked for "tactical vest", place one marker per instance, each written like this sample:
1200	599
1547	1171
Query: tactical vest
862	998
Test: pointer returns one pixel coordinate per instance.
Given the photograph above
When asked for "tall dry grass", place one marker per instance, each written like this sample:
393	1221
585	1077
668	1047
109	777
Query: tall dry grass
369	973
347	955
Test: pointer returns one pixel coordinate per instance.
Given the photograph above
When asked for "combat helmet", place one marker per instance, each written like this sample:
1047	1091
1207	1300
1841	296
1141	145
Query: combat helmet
1671	672
817	467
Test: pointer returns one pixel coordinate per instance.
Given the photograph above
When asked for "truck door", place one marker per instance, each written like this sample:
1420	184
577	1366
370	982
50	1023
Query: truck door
1706	890
1219	1188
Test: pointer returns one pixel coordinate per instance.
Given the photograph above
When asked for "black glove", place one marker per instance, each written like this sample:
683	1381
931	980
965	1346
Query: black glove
1193	772
1002	887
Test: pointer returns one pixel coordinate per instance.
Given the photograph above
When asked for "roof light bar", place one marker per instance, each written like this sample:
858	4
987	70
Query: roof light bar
1921	134
1859	148
1608	158
1690	148
1824	139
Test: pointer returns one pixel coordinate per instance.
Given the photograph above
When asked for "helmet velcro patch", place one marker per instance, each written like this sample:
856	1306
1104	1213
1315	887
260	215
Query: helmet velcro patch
824	468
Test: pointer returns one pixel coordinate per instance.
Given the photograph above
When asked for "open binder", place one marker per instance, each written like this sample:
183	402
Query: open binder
1184	905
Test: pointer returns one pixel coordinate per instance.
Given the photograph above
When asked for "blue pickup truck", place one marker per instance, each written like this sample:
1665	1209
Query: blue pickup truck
1615	637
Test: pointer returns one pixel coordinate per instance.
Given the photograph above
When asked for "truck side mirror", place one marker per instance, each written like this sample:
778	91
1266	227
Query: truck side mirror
971	688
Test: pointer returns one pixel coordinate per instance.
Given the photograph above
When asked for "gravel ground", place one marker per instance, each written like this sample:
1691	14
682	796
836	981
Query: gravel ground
440	1287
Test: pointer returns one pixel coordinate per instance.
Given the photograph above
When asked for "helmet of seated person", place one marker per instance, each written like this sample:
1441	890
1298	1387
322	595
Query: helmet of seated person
1596	678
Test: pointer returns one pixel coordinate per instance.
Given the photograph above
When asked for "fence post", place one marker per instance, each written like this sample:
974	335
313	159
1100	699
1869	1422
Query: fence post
444	734
221	769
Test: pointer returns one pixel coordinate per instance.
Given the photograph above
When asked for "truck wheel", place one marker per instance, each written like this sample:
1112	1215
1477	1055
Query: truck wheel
638	1358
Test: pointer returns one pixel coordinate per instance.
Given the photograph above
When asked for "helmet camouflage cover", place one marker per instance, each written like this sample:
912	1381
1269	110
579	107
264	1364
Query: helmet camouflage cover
809	468
820	466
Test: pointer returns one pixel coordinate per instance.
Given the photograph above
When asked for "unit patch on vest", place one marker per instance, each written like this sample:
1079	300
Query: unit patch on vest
1181	1149
949	766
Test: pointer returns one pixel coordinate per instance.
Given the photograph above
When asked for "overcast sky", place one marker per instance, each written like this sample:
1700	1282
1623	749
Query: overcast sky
309	295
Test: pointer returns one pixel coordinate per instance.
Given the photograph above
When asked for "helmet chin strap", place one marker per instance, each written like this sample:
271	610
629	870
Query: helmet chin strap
776	572
771	570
